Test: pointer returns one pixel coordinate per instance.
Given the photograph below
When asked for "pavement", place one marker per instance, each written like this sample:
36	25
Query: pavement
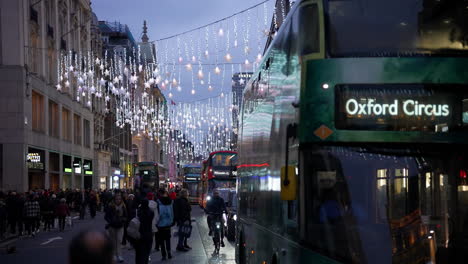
52	247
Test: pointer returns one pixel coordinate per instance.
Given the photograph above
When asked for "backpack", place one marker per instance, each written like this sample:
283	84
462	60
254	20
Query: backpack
166	215
133	229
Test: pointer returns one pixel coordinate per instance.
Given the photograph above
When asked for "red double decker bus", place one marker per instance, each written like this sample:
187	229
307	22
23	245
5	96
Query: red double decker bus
219	172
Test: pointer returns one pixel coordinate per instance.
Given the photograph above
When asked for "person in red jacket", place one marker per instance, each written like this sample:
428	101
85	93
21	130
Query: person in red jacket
62	212
173	195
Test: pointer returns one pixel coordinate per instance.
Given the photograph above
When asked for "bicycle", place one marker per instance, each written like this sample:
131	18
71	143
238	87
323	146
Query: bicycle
218	228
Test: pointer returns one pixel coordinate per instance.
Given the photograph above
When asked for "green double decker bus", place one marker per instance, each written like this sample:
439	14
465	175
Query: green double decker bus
353	144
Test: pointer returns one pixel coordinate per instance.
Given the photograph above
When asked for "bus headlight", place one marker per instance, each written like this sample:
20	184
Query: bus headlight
234	217
208	198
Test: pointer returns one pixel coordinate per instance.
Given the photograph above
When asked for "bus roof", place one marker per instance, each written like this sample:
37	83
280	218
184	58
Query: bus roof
222	151
194	165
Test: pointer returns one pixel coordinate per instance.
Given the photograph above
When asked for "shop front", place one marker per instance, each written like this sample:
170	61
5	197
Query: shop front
67	172
78	172
35	162
54	171
88	174
116	178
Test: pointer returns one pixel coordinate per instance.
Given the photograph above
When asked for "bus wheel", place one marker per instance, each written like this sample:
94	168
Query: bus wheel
274	259
241	249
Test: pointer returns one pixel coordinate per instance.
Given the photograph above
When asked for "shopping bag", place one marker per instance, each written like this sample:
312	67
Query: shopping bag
133	229
69	221
186	229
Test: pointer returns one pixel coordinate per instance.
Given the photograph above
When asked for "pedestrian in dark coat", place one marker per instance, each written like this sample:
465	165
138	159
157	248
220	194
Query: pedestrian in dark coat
143	245
62	211
182	216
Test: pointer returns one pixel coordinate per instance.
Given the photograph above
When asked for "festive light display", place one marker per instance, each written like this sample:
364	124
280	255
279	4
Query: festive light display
130	83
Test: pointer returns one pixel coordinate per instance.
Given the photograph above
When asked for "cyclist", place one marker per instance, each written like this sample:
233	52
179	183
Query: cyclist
215	208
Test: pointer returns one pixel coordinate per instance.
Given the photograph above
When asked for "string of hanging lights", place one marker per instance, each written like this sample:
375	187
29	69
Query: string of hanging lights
130	83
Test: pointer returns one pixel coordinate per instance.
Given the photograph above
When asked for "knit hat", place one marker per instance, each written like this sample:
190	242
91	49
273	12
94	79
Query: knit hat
150	196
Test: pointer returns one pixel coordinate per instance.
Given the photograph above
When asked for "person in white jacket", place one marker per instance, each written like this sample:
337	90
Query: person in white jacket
154	207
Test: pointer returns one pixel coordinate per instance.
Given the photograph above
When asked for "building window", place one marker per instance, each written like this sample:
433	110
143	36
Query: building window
77	129
38	112
87	133
53	119
66	125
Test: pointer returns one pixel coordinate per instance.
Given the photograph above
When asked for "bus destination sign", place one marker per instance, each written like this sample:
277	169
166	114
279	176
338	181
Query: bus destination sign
400	107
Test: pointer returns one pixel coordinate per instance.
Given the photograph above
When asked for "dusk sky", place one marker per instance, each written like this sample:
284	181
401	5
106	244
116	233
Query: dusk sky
168	17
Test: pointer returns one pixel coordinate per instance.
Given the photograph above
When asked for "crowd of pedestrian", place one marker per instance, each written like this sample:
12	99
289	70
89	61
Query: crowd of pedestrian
26	214
157	213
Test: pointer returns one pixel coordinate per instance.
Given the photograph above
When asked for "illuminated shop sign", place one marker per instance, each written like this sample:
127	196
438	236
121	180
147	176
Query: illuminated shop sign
34	157
68	170
33	160
400	107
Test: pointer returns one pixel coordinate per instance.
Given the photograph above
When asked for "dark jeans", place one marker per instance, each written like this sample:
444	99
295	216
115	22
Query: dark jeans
82	211
61	222
92	210
157	242
142	250
182	238
124	237
30	224
165	241
48	221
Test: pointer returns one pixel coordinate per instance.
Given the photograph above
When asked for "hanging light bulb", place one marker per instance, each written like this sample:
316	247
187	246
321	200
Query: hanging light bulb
193	91
210	88
170	95
222	94
140	68
67	84
247	62
163	86
206	54
179	88
235	43
83	94
200	74
166	82
228	57
217	70
88	103
221	32
246	50
202	82
259	57
181	59
188	66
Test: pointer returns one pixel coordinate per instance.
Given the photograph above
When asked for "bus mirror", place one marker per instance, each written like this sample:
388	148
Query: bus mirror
288	183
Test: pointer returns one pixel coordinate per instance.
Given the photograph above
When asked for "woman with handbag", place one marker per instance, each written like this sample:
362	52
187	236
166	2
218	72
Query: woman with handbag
182	213
143	244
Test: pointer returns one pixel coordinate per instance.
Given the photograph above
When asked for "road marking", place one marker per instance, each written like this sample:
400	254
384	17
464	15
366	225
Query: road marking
50	240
